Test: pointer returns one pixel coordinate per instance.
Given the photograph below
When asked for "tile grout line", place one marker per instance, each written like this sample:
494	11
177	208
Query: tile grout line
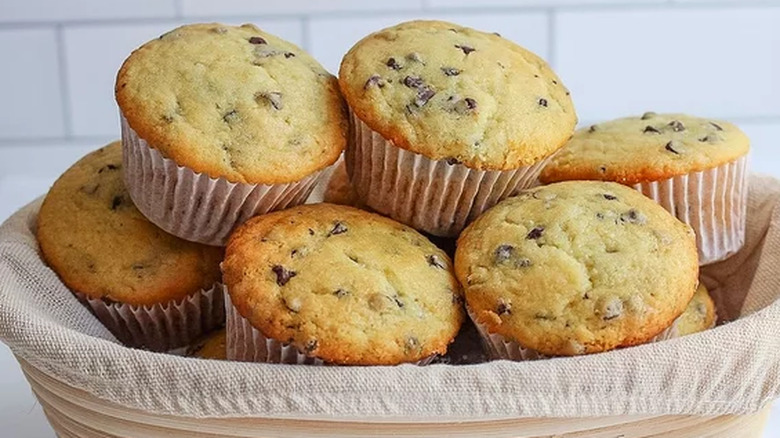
62	63
427	10
305	21
552	53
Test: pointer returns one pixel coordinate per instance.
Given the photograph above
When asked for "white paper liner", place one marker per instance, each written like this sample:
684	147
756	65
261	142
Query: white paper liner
192	205
713	202
429	195
499	347
247	344
165	326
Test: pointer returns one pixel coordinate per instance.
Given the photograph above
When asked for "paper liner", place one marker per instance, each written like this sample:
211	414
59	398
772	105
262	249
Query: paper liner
713	202
247	344
429	195
499	347
192	205
165	326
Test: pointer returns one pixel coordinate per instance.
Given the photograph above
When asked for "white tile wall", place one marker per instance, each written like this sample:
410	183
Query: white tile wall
30	84
58	61
721	62
330	38
12	11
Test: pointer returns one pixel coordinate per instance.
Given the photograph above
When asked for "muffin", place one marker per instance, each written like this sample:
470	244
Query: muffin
695	168
575	268
152	290
700	314
332	284
447	121
213	347
220	123
339	190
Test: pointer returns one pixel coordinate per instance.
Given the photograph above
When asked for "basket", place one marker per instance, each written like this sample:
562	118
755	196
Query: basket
718	383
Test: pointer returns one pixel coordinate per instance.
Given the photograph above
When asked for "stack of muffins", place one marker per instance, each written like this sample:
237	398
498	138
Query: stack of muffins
446	132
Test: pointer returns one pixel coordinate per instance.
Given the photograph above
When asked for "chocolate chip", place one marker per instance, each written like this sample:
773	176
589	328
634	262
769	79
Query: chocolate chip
453	30
392	63
711	138
555	82
718	127
108	167
283	275
257	40
599	215
650	129
413	82
648	115
670	147
504	308
543	102
338	228
116	202
289	55
603	169
470	103
496	34
398	302
310	345
341	293
609	197
677	126
424	95
435	261
592	129
503	253
633	216
374	80
466	49
450	71
230	116
311	232
272	97
414	56
453	161
535	233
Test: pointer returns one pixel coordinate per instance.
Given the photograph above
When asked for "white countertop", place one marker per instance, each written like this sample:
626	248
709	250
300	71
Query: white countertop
20	414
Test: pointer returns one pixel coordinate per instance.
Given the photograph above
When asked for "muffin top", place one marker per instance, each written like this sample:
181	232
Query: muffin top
700	314
100	245
233	102
343	285
450	92
213	347
577	267
650	147
339	190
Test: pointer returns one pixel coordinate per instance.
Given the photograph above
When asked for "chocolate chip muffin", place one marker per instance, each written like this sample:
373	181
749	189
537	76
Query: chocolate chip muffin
227	120
151	289
447	121
700	314
696	168
213	347
325	283
575	268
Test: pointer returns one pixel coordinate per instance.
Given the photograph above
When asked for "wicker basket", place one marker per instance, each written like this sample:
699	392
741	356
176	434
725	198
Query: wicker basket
714	384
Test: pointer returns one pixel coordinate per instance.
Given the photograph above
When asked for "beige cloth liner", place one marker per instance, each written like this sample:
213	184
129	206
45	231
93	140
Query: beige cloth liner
731	369
713	202
164	326
194	206
428	195
248	344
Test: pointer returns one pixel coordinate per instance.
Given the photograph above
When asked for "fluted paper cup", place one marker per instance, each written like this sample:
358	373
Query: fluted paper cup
247	344
434	196
713	202
192	205
165	326
500	347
